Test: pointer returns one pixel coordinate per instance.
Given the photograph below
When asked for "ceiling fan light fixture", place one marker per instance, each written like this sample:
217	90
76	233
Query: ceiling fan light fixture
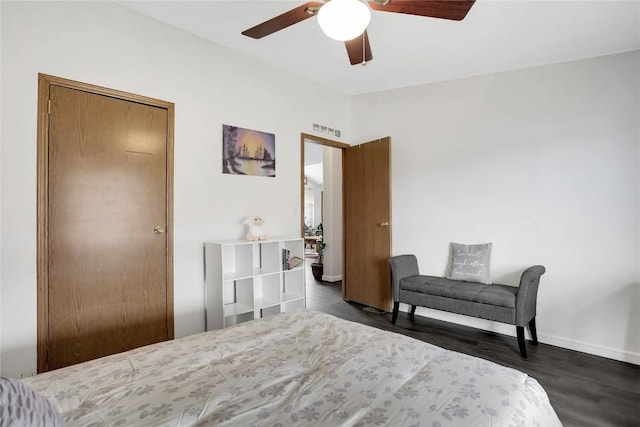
344	19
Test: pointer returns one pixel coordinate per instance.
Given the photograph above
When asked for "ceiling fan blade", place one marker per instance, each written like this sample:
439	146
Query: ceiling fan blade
446	9
357	47
285	20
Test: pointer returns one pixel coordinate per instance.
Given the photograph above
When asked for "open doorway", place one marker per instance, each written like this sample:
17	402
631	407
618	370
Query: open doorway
322	209
360	245
314	239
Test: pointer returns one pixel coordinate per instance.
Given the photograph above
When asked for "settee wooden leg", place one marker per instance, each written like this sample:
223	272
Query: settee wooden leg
413	312
532	329
521	343
394	316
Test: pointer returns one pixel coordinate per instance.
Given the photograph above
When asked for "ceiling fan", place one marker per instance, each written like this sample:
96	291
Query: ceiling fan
356	38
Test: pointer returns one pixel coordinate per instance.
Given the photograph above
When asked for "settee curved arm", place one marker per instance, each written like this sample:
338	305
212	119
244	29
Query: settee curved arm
527	296
401	266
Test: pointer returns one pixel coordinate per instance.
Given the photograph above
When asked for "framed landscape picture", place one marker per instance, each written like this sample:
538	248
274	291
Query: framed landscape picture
248	152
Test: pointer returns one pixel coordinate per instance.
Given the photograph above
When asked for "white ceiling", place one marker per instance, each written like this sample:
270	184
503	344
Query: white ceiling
313	169
409	50
312	153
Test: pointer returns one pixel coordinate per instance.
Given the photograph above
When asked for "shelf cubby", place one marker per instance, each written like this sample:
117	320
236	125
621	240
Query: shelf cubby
237	261
293	284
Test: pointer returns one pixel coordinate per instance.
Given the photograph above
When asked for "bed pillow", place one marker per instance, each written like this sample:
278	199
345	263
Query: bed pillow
471	263
21	406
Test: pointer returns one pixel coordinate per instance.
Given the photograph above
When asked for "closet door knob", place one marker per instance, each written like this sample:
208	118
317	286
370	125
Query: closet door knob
158	230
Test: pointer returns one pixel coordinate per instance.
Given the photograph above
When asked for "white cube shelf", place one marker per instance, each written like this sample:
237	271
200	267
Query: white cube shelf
247	280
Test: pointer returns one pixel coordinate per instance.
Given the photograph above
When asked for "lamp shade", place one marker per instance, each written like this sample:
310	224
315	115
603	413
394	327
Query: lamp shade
344	19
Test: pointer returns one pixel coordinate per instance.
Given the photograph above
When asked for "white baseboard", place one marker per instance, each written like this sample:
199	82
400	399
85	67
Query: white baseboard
501	328
597	350
331	278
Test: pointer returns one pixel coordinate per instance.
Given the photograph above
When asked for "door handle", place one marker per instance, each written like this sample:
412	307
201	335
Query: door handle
384	224
158	230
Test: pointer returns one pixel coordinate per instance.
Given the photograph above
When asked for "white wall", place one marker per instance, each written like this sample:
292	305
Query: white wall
332	213
544	163
313	202
309	197
107	45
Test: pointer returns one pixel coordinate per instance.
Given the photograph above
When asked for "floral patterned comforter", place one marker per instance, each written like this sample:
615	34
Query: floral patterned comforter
295	368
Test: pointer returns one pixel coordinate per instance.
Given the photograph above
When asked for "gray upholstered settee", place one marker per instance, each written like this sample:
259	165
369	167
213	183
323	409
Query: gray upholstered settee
501	303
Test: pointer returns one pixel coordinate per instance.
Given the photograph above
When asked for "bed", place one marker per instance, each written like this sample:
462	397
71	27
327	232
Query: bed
296	368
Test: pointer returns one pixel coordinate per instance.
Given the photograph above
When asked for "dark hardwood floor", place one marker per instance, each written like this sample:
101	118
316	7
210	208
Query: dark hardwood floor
585	390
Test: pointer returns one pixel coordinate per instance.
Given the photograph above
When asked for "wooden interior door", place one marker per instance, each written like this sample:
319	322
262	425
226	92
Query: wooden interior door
367	223
108	252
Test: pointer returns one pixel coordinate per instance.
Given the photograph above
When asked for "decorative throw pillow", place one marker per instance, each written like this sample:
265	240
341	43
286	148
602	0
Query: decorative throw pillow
21	406
471	262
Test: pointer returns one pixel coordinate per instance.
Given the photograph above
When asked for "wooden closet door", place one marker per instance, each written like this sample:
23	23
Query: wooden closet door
107	216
